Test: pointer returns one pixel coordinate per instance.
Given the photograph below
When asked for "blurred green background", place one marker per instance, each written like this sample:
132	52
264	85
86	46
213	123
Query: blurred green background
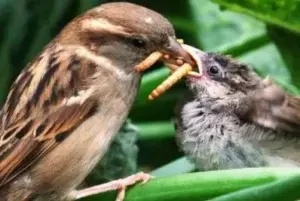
264	34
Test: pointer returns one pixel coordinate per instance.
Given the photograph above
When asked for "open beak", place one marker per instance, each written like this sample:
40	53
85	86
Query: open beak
181	59
198	56
176	54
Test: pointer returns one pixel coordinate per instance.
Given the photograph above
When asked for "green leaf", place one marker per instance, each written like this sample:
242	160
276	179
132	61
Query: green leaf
156	130
201	186
179	166
282	13
245	46
267	62
219	30
149	82
284	189
46	22
16	19
184	23
86	4
288	45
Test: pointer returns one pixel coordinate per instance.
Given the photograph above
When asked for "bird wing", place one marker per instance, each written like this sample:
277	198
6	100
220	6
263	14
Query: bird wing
48	100
276	109
288	115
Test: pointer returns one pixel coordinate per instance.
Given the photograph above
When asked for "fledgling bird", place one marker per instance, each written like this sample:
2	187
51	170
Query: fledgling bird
64	109
233	118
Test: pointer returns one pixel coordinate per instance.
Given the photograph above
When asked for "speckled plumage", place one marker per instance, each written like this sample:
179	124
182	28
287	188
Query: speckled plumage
65	108
235	119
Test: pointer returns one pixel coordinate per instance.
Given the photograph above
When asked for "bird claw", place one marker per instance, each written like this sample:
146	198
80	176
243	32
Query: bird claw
120	185
131	180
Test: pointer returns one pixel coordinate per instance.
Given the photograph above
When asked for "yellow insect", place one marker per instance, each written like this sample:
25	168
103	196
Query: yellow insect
171	80
178	72
149	61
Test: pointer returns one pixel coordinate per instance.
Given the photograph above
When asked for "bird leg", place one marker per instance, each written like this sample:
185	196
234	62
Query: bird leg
120	184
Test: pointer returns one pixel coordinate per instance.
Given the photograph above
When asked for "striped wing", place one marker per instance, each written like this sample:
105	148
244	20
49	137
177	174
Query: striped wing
49	99
276	109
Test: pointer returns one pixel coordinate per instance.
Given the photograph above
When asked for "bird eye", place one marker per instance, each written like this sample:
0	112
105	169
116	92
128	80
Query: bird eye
138	42
213	70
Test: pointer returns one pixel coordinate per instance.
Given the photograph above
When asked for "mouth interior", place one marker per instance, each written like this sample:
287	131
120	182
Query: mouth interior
179	71
155	56
196	55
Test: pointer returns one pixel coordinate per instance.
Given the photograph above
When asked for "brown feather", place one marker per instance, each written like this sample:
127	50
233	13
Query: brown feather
33	117
276	109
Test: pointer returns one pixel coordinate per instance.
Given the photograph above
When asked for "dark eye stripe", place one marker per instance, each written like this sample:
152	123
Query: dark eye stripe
222	61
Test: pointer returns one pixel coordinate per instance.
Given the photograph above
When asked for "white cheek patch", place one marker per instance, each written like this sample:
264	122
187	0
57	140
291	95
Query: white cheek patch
100	24
101	61
215	90
266	121
98	10
80	99
149	20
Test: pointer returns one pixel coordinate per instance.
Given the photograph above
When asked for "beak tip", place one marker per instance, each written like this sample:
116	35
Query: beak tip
178	53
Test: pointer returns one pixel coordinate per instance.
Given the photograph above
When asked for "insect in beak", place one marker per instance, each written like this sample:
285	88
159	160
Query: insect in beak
179	58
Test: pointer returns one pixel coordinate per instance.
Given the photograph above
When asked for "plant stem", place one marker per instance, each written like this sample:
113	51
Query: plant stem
202	185
156	130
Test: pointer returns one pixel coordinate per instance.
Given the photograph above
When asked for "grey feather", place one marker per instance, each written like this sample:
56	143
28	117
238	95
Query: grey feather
215	127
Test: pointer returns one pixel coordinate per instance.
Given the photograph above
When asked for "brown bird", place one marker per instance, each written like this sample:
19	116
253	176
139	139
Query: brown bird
233	118
64	109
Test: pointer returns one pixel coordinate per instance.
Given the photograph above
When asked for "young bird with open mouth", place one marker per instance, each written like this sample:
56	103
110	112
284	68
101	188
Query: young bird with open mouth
233	118
64	109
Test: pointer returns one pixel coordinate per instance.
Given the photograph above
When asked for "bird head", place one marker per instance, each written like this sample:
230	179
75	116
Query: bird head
124	34
222	76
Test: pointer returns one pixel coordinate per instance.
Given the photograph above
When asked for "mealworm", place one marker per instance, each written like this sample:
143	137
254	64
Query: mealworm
181	41
148	62
171	80
151	59
173	68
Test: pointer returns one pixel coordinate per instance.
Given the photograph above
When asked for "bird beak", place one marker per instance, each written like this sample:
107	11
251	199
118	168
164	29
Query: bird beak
195	55
179	58
173	55
176	54
198	57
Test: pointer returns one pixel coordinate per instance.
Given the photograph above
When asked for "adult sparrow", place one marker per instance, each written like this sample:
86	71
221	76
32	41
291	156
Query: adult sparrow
64	109
233	118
